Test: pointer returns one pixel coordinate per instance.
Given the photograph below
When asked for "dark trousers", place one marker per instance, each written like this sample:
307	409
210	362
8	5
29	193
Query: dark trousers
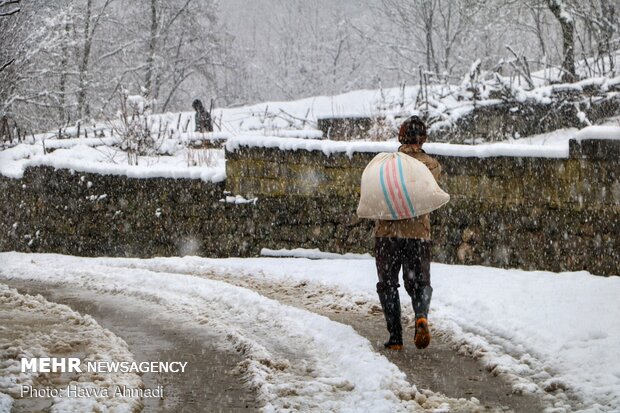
414	256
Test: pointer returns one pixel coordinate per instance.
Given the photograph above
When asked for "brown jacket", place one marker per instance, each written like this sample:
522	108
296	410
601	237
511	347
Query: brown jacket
418	227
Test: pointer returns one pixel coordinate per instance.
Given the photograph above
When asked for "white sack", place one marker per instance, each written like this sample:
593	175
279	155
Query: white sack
396	186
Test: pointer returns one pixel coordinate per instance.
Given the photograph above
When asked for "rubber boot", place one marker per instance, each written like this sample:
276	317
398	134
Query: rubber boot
421	305
422	301
390	303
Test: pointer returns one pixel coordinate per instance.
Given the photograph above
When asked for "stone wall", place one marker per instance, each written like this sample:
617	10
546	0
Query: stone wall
515	119
85	214
488	122
531	213
345	128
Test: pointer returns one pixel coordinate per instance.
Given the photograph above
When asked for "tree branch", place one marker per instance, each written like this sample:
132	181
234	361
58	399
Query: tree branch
7	64
9	13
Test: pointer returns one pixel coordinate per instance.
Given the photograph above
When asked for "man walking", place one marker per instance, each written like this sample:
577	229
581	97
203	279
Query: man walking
406	243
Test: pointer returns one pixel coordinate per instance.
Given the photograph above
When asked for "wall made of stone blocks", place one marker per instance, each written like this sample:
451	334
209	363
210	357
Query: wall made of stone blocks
530	213
534	213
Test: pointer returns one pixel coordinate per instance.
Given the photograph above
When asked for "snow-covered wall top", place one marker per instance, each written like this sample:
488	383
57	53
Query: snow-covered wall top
329	147
599	132
493	173
105	160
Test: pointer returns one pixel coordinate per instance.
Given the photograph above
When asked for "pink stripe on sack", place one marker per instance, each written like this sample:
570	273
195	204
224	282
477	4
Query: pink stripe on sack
400	194
391	185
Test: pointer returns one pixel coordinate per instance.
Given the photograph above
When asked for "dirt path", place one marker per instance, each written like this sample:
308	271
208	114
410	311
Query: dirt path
206	386
439	368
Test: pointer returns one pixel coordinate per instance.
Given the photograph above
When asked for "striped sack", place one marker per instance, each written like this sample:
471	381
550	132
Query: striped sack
396	186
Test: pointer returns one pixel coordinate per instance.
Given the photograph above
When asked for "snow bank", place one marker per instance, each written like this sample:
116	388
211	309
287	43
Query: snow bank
39	328
552	334
329	147
6	403
71	142
238	199
497	149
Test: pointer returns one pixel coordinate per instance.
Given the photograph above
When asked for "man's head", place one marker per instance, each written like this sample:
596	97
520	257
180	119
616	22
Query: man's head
197	105
412	131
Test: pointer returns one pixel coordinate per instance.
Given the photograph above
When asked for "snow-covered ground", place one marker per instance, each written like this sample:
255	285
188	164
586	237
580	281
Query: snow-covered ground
555	335
296	360
285	125
550	145
544	331
35	327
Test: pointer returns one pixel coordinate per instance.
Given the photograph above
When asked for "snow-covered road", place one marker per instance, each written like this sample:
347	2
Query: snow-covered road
151	336
294	359
31	326
520	324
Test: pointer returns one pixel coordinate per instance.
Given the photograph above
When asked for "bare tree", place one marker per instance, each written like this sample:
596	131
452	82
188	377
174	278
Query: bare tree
150	61
89	33
6	11
597	23
325	56
22	44
567	24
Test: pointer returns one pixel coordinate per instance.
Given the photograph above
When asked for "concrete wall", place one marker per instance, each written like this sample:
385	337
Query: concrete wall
531	213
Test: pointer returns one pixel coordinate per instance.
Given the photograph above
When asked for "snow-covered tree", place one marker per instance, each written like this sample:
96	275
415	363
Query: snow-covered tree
560	11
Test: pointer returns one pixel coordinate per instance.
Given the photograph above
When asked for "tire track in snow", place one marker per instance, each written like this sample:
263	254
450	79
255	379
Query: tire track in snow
31	326
152	337
441	368
295	360
479	362
463	362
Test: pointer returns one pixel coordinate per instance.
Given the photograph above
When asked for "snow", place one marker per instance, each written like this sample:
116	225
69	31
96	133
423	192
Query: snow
544	332
71	142
39	328
313	254
553	334
6	402
238	199
599	132
136	103
290	125
95	156
295	359
530	327
329	147
106	161
498	149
